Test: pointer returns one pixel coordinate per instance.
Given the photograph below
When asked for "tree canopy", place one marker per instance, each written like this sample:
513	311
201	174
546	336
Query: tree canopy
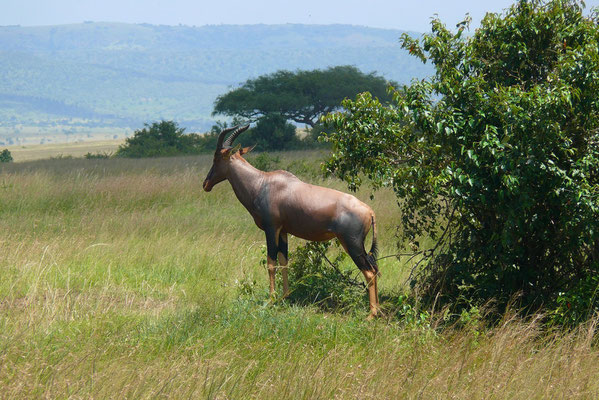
301	96
496	157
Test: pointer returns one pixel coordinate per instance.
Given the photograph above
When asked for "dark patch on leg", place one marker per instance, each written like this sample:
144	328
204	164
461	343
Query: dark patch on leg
283	249
348	225
351	232
271	243
355	249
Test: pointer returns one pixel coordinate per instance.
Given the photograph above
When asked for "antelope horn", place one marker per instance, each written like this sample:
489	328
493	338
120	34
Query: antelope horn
221	137
238	131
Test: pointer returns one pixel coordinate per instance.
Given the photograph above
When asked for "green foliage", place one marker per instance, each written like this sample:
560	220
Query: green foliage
273	132
313	280
98	156
160	139
312	137
411	314
301	96
5	156
495	157
305	169
266	162
580	303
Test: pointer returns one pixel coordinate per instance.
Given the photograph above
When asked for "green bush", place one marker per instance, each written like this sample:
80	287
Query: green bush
161	139
496	157
5	156
580	303
98	156
265	162
305	169
313	280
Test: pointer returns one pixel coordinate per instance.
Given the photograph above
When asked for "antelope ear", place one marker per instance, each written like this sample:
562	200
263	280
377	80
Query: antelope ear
246	150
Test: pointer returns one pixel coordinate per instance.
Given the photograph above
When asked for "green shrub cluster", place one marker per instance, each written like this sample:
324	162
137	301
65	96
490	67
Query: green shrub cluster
98	156
5	156
496	157
161	139
313	279
266	162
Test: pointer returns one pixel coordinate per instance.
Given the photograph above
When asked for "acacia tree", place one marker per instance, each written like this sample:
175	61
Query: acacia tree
496	157
301	96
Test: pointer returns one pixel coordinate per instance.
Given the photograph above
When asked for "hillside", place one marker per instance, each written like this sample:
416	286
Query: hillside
80	78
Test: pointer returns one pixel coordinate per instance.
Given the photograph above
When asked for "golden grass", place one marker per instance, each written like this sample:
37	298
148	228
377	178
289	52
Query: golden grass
32	152
119	280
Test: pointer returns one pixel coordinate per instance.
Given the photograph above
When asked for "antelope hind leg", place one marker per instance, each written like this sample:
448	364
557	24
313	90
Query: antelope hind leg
373	297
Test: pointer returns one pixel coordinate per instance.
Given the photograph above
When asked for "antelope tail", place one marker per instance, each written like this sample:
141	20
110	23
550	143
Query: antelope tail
374	250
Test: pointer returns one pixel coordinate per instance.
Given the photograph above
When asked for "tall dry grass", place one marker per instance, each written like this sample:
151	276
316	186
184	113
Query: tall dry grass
120	280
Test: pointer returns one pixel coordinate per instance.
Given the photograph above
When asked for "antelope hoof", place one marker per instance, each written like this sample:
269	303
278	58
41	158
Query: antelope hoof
373	314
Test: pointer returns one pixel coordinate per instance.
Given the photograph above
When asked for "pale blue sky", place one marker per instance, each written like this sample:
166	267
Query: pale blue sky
408	15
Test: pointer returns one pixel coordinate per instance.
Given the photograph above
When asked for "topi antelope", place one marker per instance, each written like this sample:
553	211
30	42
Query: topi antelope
280	203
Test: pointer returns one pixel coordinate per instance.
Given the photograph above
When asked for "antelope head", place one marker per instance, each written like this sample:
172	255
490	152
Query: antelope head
222	156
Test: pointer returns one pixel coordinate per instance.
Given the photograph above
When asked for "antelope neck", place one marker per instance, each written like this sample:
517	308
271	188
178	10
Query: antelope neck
245	180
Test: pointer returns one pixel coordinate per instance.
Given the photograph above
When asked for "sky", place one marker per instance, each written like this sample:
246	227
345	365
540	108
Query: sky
414	15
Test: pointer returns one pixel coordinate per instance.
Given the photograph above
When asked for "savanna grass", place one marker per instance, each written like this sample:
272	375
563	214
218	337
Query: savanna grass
122	279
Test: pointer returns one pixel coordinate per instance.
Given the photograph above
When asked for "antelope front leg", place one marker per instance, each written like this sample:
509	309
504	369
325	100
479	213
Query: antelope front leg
373	297
285	274
283	259
271	275
271	257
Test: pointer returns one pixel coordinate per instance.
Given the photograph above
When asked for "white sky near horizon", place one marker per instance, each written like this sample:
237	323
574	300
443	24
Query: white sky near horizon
406	15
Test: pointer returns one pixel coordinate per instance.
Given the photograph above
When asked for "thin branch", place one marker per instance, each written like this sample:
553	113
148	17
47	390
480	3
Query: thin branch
401	255
428	254
349	280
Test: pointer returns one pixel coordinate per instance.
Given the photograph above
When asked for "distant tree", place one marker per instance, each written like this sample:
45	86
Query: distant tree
160	139
207	142
273	132
5	156
301	96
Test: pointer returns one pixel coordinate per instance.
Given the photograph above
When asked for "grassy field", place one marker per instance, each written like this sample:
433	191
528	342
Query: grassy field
32	152
123	279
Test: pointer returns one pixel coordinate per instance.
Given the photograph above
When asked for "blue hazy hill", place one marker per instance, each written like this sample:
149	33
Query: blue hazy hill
120	75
